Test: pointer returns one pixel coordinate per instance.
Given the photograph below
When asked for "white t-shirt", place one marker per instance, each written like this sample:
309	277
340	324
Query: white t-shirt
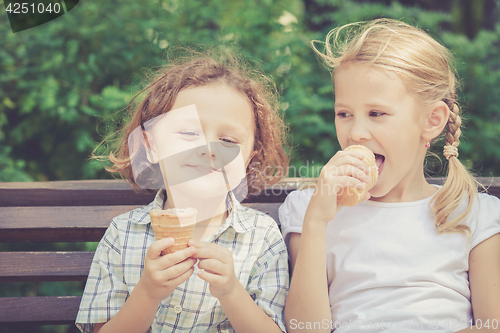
388	268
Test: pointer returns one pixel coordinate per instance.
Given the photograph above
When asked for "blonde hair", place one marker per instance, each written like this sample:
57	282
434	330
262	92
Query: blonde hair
425	67
196	69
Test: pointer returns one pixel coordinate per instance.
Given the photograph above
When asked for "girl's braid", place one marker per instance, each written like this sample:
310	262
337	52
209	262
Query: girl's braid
453	133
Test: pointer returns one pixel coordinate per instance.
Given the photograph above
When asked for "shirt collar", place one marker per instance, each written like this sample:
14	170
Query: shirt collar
238	217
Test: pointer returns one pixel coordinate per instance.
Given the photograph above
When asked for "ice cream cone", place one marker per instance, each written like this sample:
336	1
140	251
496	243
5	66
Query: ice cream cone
167	223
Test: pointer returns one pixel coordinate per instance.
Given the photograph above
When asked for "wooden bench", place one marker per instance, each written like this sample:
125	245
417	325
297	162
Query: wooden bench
80	211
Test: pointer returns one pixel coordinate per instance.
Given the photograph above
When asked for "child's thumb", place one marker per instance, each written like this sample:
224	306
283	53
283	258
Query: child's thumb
155	249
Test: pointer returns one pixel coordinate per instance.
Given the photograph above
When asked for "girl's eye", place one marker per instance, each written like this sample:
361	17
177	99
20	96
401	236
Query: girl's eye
342	114
376	113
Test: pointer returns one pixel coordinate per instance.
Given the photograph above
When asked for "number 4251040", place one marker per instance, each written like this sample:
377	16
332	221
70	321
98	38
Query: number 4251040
24	8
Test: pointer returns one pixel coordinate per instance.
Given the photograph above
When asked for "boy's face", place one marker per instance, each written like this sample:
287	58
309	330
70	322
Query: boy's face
205	142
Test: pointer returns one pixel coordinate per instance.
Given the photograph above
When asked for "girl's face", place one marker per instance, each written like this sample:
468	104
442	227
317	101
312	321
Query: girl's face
373	108
205	142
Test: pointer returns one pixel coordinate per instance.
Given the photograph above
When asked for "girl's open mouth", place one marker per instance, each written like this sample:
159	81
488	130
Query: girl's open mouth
379	160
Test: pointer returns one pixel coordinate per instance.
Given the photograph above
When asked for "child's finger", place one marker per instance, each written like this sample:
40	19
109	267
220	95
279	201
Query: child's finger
213	266
182	277
349	158
199	244
345	170
177	270
155	249
206	250
177	257
214	252
341	182
366	197
211	278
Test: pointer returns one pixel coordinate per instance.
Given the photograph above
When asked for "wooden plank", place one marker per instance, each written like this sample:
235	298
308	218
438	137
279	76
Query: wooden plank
119	192
48	310
57	224
107	192
44	266
71	224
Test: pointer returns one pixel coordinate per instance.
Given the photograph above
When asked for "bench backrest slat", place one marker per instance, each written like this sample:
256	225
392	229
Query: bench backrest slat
45	266
107	193
72	224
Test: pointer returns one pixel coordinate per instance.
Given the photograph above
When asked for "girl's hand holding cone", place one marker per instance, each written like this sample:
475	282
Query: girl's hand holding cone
345	170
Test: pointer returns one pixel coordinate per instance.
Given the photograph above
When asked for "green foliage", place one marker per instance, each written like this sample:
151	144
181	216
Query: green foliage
63	80
64	83
479	67
310	99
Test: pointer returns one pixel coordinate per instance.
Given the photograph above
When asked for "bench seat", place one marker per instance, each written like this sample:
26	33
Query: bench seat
80	211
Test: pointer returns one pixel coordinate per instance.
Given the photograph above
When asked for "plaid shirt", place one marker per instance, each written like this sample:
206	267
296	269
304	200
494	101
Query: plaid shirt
260	264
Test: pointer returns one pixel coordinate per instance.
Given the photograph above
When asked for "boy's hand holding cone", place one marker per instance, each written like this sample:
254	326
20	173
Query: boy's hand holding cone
176	223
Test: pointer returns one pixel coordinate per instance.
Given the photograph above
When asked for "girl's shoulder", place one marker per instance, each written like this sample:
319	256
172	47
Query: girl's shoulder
296	202
488	199
484	219
292	211
487	205
298	197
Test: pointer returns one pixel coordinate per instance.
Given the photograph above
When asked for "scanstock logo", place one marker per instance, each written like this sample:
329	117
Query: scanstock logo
27	14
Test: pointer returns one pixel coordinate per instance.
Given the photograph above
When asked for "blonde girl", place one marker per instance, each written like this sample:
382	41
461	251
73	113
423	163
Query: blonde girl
411	256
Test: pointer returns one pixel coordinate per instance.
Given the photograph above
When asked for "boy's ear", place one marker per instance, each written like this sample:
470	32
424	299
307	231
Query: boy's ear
150	148
250	158
436	119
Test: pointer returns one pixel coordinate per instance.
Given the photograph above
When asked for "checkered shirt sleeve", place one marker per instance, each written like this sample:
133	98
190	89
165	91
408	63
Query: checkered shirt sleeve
269	279
105	291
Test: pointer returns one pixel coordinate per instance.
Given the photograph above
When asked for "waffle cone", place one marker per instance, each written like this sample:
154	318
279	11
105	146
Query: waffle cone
166	223
351	196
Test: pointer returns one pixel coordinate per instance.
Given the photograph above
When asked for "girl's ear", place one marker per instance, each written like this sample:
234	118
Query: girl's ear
150	148
436	120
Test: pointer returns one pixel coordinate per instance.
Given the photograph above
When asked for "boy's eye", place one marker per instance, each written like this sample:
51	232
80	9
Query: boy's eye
189	135
228	142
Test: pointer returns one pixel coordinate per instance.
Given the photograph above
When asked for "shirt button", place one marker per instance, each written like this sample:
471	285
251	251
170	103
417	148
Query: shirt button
177	308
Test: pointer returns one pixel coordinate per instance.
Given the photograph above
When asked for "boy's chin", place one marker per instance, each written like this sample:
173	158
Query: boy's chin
199	191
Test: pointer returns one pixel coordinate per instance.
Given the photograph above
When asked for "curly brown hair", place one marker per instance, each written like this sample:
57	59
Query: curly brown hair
268	165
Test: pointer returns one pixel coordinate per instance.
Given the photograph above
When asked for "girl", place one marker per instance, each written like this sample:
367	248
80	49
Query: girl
411	256
193	111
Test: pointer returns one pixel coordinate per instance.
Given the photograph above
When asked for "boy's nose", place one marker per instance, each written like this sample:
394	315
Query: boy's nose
203	151
220	154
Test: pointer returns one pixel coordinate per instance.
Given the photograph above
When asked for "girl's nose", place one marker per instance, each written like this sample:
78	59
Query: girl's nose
359	131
